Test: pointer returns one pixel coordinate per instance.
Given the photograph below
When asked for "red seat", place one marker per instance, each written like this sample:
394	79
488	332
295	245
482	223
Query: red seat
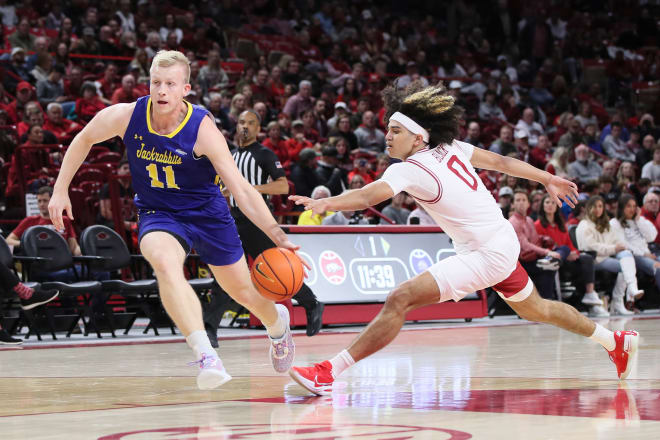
81	213
97	150
89	175
107	157
90	188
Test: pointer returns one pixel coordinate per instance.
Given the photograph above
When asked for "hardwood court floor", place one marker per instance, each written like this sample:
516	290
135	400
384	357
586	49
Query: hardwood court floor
480	382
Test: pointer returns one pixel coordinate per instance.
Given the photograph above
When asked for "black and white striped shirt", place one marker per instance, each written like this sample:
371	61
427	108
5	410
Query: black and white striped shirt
258	164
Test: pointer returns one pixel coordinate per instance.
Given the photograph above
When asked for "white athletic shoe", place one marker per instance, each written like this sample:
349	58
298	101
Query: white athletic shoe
591	299
282	350
618	308
598	312
212	373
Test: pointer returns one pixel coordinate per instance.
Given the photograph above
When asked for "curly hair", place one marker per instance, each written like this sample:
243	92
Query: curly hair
431	107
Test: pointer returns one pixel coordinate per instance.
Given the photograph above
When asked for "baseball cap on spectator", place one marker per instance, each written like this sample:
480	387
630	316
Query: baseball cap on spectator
501	58
307	154
88	31
505	191
16	50
23	85
329	151
411	64
374	78
367	15
611	197
341	104
297	123
521	133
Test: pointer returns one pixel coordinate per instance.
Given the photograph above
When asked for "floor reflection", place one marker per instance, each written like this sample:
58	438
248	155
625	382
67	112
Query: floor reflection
621	403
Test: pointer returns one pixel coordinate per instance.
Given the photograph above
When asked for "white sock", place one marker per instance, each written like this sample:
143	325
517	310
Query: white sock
604	337
277	329
341	362
199	342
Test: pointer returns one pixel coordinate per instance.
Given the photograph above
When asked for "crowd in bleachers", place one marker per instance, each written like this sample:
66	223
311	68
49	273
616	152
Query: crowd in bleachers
570	87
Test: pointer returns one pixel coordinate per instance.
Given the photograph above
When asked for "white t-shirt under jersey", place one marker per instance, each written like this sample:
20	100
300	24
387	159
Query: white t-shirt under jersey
444	181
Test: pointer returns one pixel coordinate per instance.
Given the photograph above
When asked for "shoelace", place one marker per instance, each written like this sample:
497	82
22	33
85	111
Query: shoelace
281	349
205	362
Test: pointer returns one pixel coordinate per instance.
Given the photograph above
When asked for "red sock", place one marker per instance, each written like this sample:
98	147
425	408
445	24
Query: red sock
23	291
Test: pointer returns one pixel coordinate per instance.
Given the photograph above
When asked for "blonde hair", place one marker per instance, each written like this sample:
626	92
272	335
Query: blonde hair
167	58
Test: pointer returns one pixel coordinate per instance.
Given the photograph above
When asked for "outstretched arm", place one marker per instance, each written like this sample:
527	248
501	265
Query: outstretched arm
558	188
107	123
354	200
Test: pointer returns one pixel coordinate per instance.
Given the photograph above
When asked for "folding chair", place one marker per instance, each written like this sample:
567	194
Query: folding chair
7	259
54	254
103	242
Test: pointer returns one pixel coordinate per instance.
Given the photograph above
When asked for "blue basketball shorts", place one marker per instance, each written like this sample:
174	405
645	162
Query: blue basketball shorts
213	236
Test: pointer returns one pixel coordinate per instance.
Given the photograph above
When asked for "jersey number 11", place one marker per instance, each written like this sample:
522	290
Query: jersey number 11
169	177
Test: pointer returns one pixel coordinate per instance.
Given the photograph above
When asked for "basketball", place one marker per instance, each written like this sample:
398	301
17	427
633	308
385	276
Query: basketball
277	273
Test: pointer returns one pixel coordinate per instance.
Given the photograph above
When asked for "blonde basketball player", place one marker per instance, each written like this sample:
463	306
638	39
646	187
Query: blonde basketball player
439	172
175	152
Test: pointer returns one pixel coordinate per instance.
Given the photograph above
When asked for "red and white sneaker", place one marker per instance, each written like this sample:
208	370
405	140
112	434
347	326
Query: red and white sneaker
317	379
625	351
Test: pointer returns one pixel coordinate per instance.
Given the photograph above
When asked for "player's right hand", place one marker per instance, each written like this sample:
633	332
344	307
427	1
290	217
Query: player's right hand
319	206
59	203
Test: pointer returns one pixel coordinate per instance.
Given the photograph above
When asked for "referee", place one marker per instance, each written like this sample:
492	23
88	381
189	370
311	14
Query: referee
258	164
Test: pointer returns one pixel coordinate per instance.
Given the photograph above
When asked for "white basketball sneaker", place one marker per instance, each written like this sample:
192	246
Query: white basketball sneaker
282	350
212	374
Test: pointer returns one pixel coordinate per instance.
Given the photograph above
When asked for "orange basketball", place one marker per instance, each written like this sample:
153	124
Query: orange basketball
277	273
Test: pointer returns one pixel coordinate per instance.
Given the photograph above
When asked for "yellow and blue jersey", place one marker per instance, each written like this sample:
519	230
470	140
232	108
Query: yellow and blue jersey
175	191
167	176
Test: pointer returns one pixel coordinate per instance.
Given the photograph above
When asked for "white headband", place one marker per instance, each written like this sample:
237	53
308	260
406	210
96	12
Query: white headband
411	125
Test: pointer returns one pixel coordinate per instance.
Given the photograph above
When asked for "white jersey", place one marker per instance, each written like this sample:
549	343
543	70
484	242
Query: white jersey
444	181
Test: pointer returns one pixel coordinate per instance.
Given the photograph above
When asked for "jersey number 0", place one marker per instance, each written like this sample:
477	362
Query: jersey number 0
470	180
169	177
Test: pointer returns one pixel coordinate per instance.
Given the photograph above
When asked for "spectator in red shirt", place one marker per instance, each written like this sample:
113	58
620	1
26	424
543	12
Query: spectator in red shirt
109	83
89	104
297	141
540	155
24	94
362	168
350	93
309	122
43	197
552	229
532	254
61	127
275	142
73	84
650	211
276	86
489	178
126	93
260	89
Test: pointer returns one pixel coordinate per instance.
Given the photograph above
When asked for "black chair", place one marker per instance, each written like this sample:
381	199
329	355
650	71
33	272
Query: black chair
7	259
103	242
54	254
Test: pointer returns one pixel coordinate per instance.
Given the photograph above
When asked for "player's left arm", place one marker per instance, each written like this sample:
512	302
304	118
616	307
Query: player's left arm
354	200
558	188
212	144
